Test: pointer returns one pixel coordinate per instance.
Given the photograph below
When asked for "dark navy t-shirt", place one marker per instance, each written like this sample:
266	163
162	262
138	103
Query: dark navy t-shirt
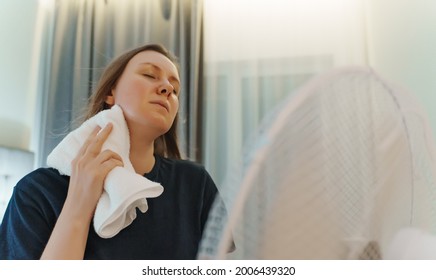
170	229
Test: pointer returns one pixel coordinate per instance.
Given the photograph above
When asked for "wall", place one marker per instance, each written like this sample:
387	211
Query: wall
247	29
400	35
402	46
17	106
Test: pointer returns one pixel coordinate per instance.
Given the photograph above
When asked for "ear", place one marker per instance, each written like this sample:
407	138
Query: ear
110	100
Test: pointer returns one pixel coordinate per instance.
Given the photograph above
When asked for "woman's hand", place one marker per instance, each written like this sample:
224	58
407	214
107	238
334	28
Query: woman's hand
89	170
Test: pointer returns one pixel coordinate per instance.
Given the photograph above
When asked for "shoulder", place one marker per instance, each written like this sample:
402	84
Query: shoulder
42	180
41	193
184	172
183	163
31	214
184	167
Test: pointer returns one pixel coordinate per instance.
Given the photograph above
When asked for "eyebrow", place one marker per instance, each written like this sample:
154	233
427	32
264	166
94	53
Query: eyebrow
172	77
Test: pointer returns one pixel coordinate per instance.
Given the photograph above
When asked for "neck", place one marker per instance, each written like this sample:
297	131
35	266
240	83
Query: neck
142	154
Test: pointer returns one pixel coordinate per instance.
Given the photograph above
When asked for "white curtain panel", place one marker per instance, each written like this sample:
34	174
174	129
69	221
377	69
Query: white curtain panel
257	52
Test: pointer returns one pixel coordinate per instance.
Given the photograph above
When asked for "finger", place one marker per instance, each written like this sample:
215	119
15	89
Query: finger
95	146
107	155
88	140
110	164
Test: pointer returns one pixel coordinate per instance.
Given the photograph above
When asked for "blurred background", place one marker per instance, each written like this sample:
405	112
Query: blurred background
239	58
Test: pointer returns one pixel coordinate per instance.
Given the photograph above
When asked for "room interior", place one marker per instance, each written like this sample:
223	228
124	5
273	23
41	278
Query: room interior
239	60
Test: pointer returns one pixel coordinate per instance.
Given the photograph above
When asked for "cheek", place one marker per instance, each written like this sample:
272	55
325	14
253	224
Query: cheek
175	102
129	89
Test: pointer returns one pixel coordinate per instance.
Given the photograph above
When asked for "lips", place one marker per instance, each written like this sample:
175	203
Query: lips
161	103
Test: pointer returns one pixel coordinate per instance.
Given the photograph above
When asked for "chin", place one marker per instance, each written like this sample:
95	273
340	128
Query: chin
159	123
161	128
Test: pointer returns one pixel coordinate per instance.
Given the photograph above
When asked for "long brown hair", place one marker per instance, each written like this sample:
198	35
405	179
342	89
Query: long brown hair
167	144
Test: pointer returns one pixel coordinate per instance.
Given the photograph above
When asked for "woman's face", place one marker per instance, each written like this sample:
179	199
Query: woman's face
147	91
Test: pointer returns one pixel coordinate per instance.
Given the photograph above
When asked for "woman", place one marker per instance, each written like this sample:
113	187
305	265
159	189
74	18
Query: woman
49	215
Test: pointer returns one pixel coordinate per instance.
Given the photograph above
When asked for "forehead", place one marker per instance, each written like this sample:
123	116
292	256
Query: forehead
156	59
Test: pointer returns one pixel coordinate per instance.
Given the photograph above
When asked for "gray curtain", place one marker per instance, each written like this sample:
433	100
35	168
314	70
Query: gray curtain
83	36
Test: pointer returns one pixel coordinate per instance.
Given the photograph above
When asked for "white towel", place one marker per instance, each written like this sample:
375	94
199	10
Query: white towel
124	189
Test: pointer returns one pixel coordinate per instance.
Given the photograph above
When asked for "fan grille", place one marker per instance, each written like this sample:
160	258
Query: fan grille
333	173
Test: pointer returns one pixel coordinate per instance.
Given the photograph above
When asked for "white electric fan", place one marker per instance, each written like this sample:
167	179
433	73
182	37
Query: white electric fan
337	171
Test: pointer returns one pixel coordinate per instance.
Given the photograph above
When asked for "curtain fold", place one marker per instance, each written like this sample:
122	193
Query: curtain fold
83	36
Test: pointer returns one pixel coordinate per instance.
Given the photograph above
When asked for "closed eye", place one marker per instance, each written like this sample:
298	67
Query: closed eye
149	76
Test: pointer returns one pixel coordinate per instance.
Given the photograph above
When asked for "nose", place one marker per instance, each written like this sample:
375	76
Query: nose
165	88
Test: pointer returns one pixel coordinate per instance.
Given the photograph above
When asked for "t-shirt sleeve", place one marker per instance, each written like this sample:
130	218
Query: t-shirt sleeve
210	193
24	231
213	199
